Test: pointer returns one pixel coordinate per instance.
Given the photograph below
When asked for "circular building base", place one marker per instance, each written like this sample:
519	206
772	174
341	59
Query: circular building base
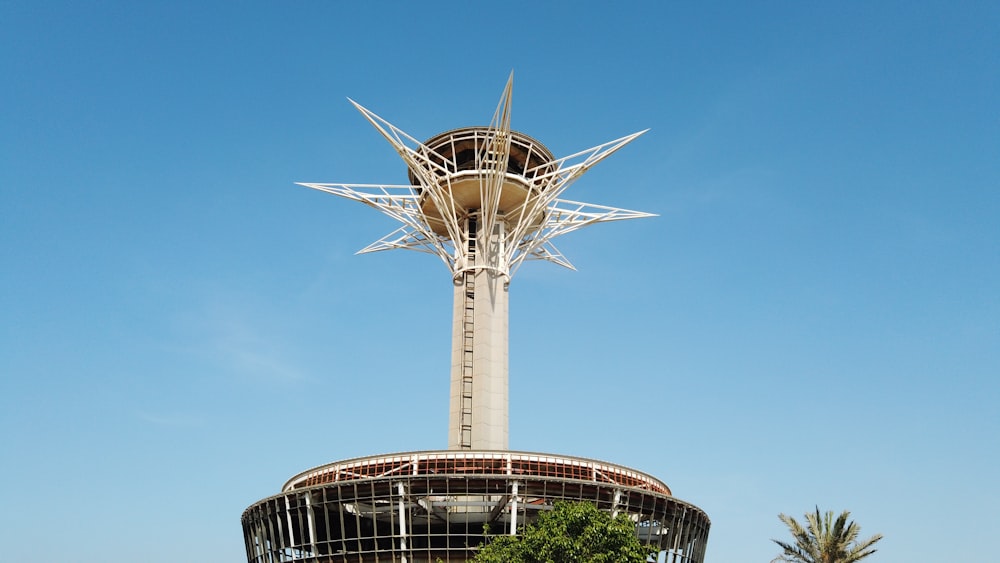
442	505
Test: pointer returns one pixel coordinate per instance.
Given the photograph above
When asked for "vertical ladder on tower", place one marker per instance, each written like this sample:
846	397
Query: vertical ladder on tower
468	337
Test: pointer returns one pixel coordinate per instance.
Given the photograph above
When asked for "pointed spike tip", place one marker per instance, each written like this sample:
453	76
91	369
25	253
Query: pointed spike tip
509	87
358	106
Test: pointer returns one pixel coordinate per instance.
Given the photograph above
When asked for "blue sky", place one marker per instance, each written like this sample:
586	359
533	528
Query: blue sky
813	318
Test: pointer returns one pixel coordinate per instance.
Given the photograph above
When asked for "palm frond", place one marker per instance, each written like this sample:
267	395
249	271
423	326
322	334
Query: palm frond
824	539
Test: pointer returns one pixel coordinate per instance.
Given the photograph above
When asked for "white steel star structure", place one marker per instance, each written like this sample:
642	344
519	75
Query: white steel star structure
483	200
434	214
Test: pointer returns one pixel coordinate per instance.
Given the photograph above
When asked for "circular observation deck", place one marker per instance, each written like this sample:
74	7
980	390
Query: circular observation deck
441	505
463	159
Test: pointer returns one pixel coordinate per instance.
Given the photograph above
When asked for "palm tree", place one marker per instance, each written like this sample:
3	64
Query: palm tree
824	540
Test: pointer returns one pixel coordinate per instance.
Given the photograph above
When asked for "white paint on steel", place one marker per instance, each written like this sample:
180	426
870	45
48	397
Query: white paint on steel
542	218
513	509
402	519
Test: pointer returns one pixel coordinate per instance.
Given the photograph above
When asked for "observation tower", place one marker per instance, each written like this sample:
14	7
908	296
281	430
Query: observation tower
483	200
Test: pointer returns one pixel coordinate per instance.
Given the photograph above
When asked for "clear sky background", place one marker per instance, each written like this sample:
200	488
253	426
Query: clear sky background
813	318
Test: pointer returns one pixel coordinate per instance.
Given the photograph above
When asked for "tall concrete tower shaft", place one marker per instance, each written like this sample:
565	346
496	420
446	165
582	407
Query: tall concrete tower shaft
483	200
479	358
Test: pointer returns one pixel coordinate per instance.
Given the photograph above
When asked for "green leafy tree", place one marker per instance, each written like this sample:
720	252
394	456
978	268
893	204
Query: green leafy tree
570	533
825	540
